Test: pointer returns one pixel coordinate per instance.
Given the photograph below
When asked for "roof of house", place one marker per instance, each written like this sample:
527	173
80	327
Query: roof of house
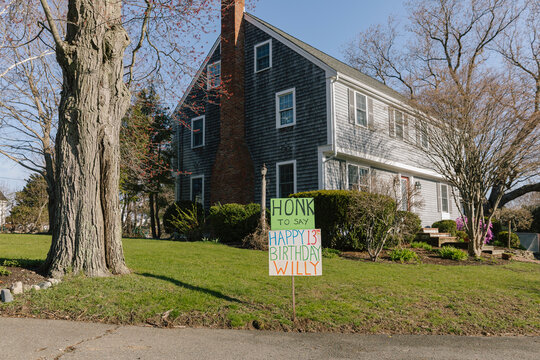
334	63
2	197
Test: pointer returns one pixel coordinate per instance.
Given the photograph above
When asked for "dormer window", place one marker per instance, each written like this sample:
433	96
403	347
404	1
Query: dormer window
263	56
214	75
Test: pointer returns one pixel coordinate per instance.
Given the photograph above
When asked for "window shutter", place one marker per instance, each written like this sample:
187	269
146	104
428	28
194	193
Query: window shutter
352	110
391	128
371	117
418	129
406	128
438	197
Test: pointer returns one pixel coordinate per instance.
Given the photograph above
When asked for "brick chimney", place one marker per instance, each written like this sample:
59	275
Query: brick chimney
233	171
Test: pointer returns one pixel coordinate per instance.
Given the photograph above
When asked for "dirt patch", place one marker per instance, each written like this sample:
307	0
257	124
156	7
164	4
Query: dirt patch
27	276
429	257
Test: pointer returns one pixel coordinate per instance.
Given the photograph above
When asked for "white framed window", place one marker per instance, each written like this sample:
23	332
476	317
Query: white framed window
196	189
444	199
263	56
405	195
286	108
213	76
358	177
398	124
361	111
285	178
197	132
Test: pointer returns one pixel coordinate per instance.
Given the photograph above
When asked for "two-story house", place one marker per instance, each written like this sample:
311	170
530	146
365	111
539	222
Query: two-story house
265	97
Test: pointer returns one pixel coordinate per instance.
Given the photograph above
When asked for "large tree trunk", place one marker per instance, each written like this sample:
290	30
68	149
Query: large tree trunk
87	226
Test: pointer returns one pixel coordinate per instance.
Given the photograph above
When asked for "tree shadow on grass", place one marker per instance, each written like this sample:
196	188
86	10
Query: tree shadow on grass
214	293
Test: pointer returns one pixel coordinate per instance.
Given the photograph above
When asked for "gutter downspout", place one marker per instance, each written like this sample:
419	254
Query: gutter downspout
333	80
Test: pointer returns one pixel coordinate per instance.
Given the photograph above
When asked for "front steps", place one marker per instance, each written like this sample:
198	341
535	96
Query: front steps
433	237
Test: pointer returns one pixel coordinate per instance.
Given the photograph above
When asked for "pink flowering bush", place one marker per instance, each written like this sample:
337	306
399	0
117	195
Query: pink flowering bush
461	224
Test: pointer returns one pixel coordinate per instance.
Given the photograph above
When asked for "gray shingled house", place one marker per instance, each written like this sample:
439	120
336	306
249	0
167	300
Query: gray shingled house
265	97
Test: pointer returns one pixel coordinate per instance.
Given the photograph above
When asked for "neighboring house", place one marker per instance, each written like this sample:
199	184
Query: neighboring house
3	209
265	97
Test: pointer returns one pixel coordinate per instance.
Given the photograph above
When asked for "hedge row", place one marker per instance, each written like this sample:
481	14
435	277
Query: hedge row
233	222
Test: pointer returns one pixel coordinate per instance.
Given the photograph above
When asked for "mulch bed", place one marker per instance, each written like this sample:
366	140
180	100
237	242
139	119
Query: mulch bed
428	257
27	276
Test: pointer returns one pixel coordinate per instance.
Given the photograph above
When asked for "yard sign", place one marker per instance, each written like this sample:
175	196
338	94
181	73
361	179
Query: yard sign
294	247
295	252
292	214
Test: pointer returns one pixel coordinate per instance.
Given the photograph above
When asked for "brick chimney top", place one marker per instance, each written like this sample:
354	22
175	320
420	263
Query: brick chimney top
233	171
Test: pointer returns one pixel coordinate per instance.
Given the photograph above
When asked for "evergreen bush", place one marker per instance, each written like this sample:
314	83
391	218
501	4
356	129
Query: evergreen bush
446	226
231	223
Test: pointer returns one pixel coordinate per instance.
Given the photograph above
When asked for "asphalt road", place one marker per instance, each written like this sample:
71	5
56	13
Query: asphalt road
54	339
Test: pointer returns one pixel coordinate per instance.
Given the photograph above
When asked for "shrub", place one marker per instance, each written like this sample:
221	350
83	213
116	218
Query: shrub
449	252
461	223
175	210
410	226
330	253
257	240
421	245
403	255
331	216
185	218
502	240
374	219
233	222
461	235
497	226
446	226
4	271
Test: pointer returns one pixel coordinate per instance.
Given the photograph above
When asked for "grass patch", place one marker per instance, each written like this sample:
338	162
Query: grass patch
207	284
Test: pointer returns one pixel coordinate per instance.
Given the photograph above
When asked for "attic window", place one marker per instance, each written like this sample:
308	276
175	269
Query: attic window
263	56
214	75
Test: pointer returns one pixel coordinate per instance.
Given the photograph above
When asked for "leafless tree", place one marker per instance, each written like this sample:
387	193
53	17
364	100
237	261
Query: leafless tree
28	106
89	40
481	136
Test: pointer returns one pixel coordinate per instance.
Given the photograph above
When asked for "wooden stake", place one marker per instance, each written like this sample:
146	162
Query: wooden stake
293	302
263	198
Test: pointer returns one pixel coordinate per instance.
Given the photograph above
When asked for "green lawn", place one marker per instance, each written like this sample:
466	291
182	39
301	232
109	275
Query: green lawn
206	284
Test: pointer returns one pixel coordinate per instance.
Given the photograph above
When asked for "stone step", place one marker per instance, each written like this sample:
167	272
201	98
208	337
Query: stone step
457	244
439	241
429	236
441	235
430	230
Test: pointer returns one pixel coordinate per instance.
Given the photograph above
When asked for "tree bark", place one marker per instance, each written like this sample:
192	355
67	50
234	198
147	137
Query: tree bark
152	216
87	226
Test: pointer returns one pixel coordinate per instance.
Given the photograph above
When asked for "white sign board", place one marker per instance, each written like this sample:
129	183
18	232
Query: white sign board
295	252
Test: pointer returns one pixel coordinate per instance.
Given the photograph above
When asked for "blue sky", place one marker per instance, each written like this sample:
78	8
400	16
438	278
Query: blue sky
326	25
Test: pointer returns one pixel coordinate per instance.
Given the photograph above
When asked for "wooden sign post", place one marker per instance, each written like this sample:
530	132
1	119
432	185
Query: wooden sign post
294	247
